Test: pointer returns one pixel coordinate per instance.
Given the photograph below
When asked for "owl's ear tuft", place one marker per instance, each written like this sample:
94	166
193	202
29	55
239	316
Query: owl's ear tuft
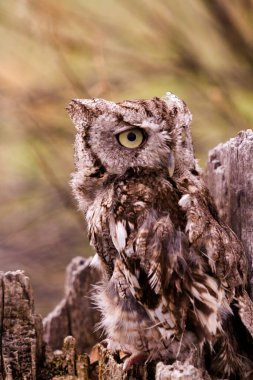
179	109
80	112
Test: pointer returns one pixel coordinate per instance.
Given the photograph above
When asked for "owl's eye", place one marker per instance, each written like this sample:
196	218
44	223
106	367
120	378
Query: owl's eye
131	138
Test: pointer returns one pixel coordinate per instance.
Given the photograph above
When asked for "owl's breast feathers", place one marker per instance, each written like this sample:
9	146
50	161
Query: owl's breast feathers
144	228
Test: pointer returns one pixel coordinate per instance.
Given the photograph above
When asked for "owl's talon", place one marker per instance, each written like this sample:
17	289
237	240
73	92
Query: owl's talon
136	358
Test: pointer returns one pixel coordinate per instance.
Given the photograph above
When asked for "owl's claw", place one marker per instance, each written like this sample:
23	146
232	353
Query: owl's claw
136	358
129	359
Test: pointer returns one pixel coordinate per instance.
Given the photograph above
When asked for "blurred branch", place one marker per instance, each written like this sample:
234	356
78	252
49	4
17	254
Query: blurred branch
223	14
77	84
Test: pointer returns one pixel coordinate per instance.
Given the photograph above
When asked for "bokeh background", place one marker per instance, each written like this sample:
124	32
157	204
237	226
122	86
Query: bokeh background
52	51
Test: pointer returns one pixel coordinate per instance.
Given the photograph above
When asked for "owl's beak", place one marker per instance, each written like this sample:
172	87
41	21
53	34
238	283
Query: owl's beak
171	164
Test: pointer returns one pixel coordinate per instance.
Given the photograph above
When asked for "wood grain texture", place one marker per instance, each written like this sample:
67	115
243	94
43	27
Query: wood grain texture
20	328
179	371
75	315
229	177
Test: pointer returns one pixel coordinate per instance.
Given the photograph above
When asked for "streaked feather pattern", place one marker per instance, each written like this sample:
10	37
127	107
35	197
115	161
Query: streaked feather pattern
174	275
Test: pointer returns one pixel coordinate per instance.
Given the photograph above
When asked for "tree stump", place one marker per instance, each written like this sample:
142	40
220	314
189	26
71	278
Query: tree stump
24	355
75	314
229	177
20	329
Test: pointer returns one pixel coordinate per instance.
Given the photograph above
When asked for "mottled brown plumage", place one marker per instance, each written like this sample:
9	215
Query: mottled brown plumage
174	273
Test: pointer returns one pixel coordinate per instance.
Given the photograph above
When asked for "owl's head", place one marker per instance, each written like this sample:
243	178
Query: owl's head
150	134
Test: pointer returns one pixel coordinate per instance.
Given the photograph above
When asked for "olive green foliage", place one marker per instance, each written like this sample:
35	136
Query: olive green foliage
52	51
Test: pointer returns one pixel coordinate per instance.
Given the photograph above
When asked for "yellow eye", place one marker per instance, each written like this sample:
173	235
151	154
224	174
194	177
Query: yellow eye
131	138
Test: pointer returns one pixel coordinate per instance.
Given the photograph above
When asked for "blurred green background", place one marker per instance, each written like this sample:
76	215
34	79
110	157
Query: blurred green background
52	51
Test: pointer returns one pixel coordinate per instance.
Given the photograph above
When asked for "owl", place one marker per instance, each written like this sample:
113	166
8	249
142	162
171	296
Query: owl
174	275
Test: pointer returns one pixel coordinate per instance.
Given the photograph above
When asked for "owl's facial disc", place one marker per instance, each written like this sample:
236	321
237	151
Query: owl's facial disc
132	138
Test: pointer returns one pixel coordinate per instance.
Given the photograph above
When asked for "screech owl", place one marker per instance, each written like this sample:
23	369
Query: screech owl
174	275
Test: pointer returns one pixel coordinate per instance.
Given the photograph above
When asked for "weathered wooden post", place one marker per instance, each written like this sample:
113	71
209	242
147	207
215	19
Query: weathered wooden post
229	177
20	329
26	355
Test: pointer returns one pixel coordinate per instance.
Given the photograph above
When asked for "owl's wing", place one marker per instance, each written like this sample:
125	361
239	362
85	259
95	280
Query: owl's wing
215	240
223	250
